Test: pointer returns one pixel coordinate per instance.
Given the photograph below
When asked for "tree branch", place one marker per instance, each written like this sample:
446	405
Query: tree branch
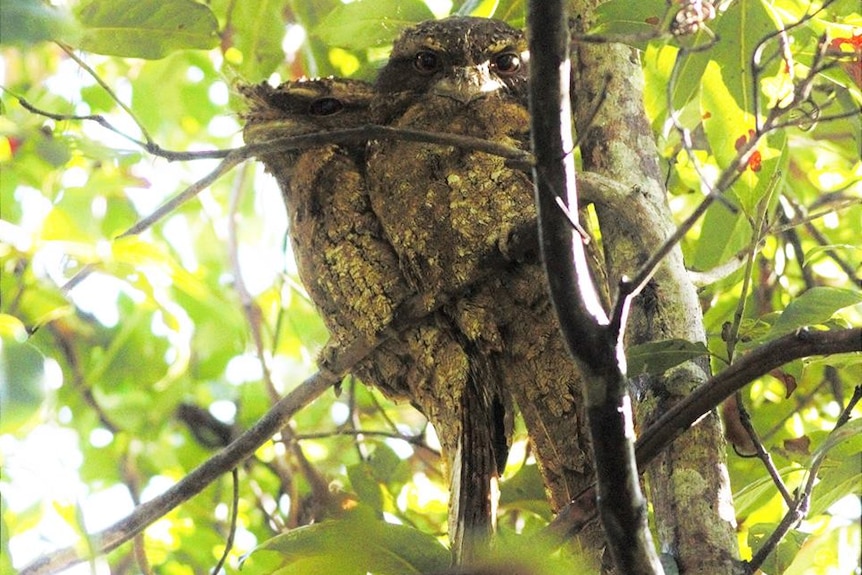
194	482
798	509
520	158
589	335
231	456
756	363
705	398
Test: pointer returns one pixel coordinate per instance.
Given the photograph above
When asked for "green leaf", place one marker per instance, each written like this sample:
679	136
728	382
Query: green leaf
387	466
12	329
658	356
376	478
526	490
24	22
784	553
742	26
513	12
366	24
366	485
814	307
728	127
187	99
736	33
22	382
627	18
257	30
755	496
510	11
479	8
148	29
843	442
722	235
835	483
359	543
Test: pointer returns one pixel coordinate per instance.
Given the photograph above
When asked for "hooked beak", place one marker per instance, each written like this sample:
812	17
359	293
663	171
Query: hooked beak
466	84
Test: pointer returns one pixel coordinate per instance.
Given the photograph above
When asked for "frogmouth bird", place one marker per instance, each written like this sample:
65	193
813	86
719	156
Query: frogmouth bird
354	277
463	76
450	210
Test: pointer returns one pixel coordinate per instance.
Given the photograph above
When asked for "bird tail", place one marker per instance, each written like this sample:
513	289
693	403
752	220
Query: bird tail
477	464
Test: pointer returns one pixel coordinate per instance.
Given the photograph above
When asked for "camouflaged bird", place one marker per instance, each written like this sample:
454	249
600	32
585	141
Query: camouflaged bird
448	211
463	76
352	275
345	263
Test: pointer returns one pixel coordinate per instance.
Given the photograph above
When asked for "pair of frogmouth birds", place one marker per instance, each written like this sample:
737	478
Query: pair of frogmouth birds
377	226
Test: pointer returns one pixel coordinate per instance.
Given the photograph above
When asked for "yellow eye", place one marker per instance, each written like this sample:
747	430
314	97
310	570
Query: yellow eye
426	62
506	63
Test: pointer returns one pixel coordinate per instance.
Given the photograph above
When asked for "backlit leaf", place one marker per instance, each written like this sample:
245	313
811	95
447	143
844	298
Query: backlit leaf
658	356
257	30
367	23
22	383
146	28
633	19
358	543
26	22
814	307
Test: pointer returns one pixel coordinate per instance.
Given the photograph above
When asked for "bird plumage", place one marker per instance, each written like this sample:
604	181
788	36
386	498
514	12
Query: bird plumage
352	274
375	226
449	211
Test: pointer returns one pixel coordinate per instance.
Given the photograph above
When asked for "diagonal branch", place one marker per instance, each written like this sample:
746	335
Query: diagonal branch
705	398
194	482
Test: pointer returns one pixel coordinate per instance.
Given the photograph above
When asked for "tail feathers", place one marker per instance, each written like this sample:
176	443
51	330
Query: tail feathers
474	490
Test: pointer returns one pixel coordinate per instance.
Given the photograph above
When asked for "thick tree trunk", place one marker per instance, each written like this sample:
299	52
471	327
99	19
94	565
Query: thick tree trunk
689	486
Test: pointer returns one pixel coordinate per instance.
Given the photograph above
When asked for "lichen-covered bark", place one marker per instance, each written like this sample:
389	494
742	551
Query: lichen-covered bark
689	487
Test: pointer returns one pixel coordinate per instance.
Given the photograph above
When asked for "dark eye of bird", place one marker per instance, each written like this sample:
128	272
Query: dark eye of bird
506	63
426	61
325	106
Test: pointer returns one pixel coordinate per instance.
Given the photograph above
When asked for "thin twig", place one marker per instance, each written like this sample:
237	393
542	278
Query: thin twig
415	440
234	513
249	306
71	53
760	450
332	370
197	480
235	157
78	381
798	510
351	423
801	401
731	173
760	361
519	158
747	277
822	240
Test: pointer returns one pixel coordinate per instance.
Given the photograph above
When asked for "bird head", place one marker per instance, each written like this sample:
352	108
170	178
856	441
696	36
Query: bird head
304	106
461	58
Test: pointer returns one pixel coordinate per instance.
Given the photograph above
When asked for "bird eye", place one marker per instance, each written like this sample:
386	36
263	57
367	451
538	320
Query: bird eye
426	61
506	63
325	106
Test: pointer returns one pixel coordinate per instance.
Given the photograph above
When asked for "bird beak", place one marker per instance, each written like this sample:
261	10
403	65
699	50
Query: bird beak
270	126
466	84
